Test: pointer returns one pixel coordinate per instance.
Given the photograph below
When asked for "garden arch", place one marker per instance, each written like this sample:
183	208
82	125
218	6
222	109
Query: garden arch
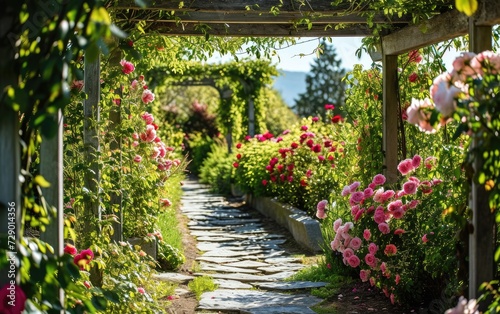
266	18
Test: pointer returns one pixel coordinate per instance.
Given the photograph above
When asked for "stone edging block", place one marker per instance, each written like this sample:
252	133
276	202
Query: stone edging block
305	230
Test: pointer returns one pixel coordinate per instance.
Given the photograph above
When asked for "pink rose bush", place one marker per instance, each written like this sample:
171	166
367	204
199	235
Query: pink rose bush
374	240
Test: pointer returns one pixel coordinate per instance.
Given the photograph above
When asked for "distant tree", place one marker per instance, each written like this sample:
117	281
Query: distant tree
324	84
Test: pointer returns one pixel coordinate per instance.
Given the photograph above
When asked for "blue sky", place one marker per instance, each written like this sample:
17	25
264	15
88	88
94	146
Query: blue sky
290	59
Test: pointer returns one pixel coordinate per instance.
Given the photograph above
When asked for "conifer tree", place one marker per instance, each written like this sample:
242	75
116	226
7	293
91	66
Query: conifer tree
324	85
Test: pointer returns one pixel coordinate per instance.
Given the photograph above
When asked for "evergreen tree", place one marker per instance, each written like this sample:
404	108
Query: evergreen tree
324	85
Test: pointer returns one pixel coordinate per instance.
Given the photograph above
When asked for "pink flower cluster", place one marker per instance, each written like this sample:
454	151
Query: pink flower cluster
448	87
157	147
81	259
382	208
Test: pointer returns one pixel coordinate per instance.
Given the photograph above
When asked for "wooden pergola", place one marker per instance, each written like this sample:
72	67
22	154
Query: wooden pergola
296	18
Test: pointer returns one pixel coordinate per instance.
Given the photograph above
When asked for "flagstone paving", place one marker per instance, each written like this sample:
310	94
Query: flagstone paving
244	257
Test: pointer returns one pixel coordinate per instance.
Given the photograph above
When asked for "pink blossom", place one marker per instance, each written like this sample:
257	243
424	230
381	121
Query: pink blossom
461	65
394	205
413	203
416	161
141	290
392	298
348	252
321	214
335	244
354	210
372	248
147	117
416	115
7	304
321	205
354	186
70	249
135	136
379	179
358	215
379	216
377	197
410	187
387	195
134	84
367	234
304	128
444	95
384	228
127	67
165	202
399	231
390	249
357	197
368	192
405	166
353	261
370	260
336	224
397	279
372	281
355	243
346	191
147	96
424	238
137	158
430	162
364	275
149	135
383	268
436	181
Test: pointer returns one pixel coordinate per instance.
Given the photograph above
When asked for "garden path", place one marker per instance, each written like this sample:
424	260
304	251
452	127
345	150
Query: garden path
246	257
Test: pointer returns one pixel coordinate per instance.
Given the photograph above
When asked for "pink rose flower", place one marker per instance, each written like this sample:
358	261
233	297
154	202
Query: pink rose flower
137	158
384	228
398	213
367	234
165	202
355	243
416	161
397	279
346	191
405	166
379	179
70	249
127	67
399	231
353	261
141	290
444	95
321	214
9	305
424	238
322	205
379	216
364	275
372	281
348	252
357	197
416	115
370	260
354	186
367	193
134	84
147	96
147	117
390	249
336	224
410	187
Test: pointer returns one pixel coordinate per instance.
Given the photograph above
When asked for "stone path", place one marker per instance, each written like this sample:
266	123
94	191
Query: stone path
244	257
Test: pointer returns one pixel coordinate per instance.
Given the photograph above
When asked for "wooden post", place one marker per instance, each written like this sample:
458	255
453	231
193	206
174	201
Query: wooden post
51	168
91	144
10	165
390	116
481	240
251	117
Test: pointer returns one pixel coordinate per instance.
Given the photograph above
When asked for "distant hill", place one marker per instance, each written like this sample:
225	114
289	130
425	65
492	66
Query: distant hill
290	84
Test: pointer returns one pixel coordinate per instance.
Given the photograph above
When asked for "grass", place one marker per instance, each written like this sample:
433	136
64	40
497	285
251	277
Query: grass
167	221
202	284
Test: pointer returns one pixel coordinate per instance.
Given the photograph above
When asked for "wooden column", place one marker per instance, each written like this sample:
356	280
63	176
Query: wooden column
251	117
51	168
481	240
91	144
10	190
390	116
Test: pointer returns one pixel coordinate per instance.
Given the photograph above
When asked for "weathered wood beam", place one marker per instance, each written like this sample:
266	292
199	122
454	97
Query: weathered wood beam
258	30
390	116
260	18
442	27
51	168
482	238
235	5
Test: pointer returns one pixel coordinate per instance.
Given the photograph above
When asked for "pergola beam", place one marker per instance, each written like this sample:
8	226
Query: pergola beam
258	30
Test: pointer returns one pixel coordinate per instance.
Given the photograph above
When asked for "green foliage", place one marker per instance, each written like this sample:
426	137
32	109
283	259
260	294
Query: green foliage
169	257
199	145
216	170
278	116
202	284
324	84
